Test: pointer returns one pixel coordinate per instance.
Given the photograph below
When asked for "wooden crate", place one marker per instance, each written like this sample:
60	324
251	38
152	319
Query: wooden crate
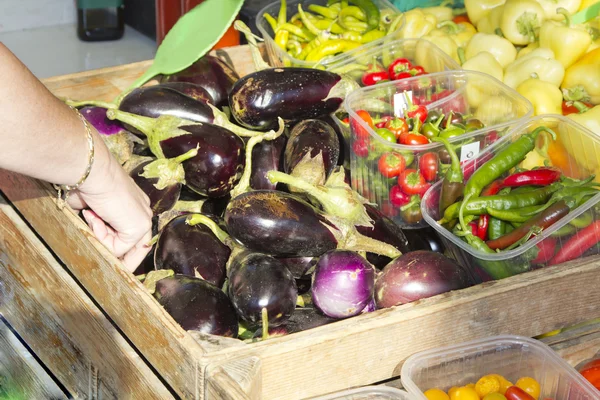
358	351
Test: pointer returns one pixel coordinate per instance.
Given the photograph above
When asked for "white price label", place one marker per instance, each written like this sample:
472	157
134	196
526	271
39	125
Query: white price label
469	151
400	103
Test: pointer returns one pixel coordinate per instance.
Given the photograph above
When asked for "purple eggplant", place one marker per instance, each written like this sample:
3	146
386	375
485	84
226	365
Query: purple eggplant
117	139
344	157
387	231
266	156
197	305
217	167
313	147
191	250
301	320
294	94
298	266
280	224
192	90
212	73
161	180
258	281
342	284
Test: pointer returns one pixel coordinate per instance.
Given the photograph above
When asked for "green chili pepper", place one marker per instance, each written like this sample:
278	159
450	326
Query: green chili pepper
331	47
282	17
514	215
293	29
353	11
307	23
371	11
452	131
479	205
327	12
565	230
453	185
582	220
353	25
349	68
371	36
496	228
328	25
272	22
295	47
502	162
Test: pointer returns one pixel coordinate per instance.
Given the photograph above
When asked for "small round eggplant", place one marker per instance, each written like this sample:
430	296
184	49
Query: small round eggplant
294	94
301	320
117	139
417	275
342	284
298	266
266	156
212	73
308	140
191	250
196	92
197	305
258	281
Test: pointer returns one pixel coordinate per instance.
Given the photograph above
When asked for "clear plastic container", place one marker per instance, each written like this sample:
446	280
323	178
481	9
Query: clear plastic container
510	356
417	51
473	93
578	150
369	393
280	58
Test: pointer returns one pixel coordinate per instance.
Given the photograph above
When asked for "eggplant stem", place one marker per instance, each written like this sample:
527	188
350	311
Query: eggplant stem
189	206
84	103
244	184
195	219
153	241
168	171
221	119
154	276
259	63
349	238
265	323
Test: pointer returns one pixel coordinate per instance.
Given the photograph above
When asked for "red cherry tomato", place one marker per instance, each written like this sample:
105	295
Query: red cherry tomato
428	166
516	393
591	372
357	128
391	164
412	182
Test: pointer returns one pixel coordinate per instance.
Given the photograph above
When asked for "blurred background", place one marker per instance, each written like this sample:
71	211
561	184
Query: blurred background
57	37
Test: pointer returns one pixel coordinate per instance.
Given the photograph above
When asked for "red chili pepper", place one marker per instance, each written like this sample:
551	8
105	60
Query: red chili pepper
581	242
357	128
372	78
539	176
397	66
429	165
402	75
417	70
361	148
398	126
474	229
413	139
482	226
346	120
397	197
417	111
440	95
391	164
381	122
492	189
412	182
568	107
546	247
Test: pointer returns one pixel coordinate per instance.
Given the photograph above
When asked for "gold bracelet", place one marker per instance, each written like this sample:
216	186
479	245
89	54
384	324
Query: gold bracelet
64	190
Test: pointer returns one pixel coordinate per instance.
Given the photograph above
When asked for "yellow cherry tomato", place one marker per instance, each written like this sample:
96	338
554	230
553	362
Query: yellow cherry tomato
436	394
471	385
487	384
494	396
530	385
452	390
504	383
464	393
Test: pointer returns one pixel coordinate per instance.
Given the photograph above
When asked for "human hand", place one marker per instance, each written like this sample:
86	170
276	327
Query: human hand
120	215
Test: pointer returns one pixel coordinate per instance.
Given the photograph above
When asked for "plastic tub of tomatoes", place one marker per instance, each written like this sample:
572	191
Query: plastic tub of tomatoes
396	127
391	60
369	393
496	368
530	201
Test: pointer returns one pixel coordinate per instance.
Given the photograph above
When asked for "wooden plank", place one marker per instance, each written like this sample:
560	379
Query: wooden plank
371	347
21	372
235	380
578	344
162	341
61	325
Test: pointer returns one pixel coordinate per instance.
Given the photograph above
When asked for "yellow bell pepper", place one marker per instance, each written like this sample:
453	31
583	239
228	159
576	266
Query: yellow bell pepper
586	4
495	109
445	43
417	24
567	42
502	50
477	9
582	79
485	62
588	117
441	13
545	97
583	148
520	20
550	6
491	22
540	63
528	49
461	32
593	28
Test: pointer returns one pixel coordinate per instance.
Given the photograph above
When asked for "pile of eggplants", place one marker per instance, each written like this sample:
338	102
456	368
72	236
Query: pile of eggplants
234	253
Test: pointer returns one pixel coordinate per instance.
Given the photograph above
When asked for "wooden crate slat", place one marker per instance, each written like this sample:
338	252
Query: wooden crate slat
69	334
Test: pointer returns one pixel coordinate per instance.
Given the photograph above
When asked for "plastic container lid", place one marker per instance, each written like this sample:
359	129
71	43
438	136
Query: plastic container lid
369	393
510	356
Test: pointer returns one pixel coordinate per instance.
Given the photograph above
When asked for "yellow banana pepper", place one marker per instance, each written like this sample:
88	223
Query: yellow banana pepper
445	43
520	21
441	13
567	42
477	9
502	50
528	49
461	32
550	6
545	97
491	22
540	62
582	79
486	63
417	24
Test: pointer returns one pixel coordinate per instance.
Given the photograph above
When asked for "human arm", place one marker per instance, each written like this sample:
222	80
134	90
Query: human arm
43	138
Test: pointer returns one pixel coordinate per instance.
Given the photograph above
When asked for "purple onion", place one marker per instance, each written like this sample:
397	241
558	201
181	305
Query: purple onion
342	284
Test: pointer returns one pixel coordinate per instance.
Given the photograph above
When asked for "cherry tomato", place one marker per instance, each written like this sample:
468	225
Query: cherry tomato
361	148
397	125
516	393
487	384
412	139
397	197
530	385
357	128
591	372
494	396
464	393
452	390
412	182
391	164
436	394
428	166
419	111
